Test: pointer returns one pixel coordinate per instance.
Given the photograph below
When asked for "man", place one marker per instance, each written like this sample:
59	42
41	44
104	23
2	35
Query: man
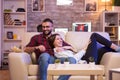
44	53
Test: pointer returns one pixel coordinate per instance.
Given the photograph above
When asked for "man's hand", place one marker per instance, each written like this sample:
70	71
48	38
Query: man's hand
41	48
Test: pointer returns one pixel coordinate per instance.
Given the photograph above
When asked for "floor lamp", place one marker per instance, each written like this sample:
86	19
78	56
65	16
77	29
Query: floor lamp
105	1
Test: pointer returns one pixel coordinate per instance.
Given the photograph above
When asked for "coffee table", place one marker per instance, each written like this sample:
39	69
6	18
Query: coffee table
111	71
76	69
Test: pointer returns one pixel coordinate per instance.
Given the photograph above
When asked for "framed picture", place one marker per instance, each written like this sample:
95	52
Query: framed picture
9	35
91	5
38	5
61	30
81	26
64	2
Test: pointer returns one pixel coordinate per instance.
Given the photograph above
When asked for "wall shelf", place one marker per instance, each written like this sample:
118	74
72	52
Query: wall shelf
110	21
14	22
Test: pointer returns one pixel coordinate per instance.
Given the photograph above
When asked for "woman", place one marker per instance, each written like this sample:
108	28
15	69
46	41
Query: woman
61	51
90	50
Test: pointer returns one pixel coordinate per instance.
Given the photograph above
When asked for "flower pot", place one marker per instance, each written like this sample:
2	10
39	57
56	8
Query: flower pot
66	63
91	64
57	65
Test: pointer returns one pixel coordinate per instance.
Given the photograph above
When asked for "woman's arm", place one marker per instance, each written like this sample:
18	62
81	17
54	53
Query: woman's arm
70	48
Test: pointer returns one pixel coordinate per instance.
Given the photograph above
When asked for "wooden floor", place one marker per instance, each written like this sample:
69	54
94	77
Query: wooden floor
4	75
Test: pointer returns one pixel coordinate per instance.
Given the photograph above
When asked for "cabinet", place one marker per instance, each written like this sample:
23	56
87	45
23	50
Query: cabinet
14	25
110	21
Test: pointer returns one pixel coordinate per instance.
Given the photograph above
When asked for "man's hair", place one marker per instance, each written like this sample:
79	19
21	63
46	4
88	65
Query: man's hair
48	20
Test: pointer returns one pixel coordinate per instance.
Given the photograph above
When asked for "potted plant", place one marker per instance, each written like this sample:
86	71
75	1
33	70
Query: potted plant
57	61
66	61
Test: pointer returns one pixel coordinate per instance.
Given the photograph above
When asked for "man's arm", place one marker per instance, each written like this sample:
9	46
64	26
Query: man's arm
29	49
31	46
41	48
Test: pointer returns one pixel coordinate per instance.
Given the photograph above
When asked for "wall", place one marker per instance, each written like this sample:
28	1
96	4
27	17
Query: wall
64	16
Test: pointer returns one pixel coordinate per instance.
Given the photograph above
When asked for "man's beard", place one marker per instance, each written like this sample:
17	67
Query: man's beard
47	33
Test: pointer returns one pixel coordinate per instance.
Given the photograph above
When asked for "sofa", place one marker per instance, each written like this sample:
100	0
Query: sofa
22	65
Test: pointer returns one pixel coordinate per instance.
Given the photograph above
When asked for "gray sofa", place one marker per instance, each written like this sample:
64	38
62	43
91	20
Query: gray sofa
22	67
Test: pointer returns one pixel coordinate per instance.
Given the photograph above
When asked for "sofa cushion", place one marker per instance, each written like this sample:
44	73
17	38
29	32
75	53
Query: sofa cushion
76	41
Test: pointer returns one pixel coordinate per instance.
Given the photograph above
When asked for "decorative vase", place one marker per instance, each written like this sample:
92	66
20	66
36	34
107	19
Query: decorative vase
66	63
91	64
57	63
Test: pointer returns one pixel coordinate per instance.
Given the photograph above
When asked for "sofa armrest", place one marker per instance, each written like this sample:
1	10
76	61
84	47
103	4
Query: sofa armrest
18	63
110	60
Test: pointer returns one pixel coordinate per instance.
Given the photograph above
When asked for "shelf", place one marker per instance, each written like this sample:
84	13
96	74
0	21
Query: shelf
112	39
5	57
12	40
15	13
112	36
14	20
110	22
14	0
14	26
7	51
111	26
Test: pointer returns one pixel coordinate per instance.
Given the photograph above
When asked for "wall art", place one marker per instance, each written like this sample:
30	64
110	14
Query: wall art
81	26
38	5
91	5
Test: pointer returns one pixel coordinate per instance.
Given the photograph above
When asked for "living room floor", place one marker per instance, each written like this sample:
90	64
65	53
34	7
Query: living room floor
4	75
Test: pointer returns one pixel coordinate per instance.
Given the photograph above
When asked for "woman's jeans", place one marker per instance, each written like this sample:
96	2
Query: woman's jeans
45	59
92	50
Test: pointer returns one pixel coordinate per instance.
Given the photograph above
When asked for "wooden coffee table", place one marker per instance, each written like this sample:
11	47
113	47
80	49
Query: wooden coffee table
76	69
111	71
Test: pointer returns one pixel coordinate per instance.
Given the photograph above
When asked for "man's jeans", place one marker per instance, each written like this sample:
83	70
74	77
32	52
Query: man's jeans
46	59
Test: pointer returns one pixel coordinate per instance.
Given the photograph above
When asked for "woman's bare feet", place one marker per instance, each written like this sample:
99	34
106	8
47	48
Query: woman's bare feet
115	47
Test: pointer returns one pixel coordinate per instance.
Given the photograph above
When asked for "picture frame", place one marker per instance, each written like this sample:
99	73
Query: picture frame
9	35
81	26
91	5
38	5
64	2
64	30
